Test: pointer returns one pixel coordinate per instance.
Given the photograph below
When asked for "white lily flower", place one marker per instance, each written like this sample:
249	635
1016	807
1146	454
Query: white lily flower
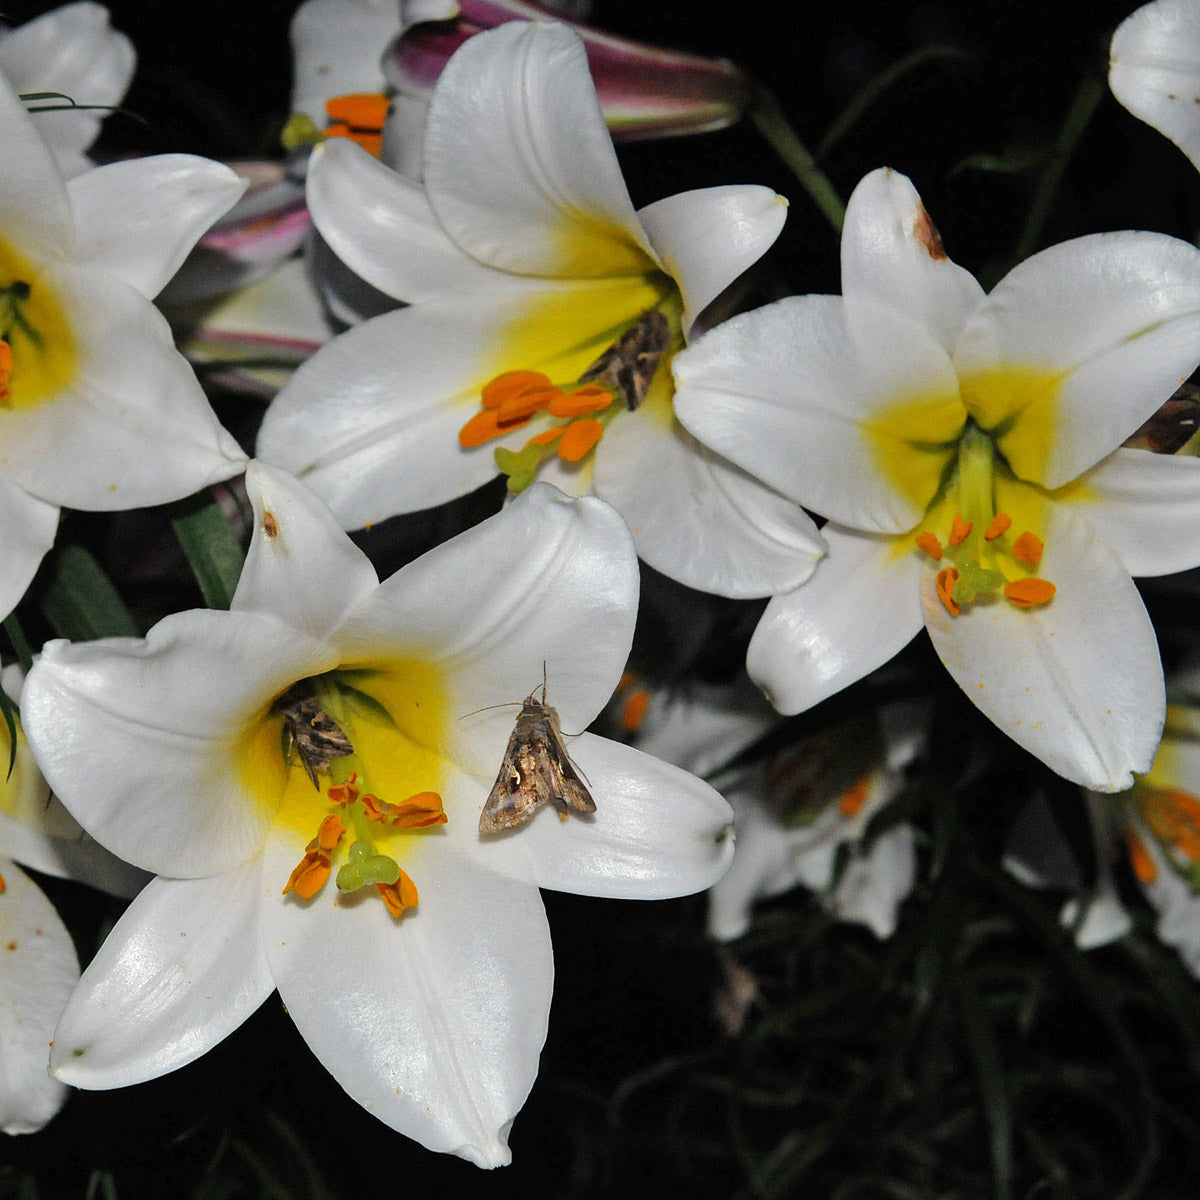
1155	70
428	1002
525	263
795	819
98	411
71	50
39	964
967	450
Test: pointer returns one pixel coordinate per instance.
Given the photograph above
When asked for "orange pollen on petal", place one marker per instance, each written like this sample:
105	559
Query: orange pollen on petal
946	579
1143	864
330	832
583	400
633	711
509	384
484	426
3	885
999	526
1028	549
930	544
850	802
1028	593
578	438
399	895
959	529
310	875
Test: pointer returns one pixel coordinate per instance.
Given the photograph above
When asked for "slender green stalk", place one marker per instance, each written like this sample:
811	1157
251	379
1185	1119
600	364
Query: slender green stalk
769	120
1087	99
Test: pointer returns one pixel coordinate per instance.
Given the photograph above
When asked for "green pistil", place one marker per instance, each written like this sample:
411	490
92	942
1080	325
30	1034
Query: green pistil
521	466
976	467
366	866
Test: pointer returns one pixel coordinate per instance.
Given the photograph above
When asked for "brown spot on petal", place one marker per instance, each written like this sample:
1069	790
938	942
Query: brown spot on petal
270	525
925	231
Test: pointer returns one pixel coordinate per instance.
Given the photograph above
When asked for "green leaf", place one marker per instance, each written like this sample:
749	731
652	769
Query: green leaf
81	602
213	550
9	711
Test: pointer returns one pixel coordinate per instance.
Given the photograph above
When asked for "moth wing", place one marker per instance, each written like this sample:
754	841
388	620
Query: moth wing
518	791
568	793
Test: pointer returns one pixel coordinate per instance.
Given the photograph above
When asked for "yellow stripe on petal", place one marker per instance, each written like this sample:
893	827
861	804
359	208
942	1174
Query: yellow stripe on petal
912	441
1019	407
45	358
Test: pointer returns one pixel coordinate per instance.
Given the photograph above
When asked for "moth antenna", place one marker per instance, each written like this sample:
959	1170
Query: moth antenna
543	681
489	707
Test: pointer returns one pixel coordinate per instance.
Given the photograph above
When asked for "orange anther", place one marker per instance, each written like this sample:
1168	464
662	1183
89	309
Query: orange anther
344	793
582	400
419	811
850	802
1144	866
930	544
484	426
3	885
1000	525
330	832
633	711
946	579
959	528
372	143
361	110
1028	549
372	807
1028	593
508	384
399	895
524	405
310	875
578	438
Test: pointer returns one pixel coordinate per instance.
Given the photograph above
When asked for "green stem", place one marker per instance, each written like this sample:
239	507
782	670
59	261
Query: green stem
1087	99
20	645
769	120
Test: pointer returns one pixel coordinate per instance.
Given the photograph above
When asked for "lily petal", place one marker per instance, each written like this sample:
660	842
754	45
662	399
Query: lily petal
1155	70
891	250
434	1022
300	566
72	50
857	612
336	48
709	236
382	226
139	219
657	831
40	969
171	717
180	971
1145	509
788	392
366	449
134	428
528	580
1077	681
29	526
519	165
1116	315
698	518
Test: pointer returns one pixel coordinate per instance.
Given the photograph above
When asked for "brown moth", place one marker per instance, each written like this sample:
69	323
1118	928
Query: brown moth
1172	426
536	771
628	365
315	736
